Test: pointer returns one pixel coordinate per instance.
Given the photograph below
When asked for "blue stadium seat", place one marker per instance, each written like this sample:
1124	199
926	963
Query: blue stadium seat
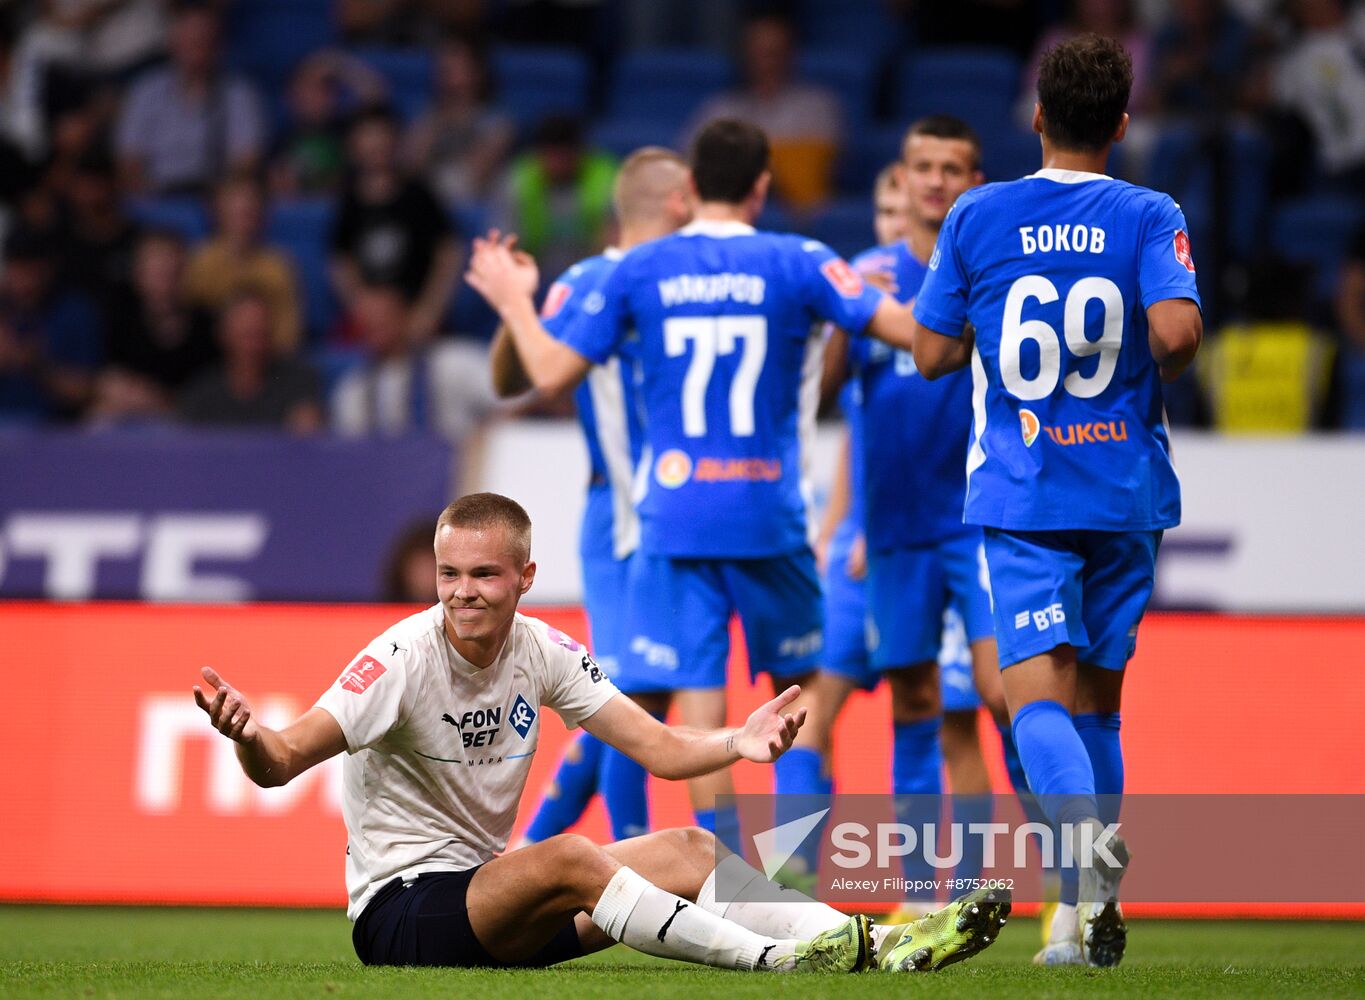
410	74
533	82
850	74
622	136
861	26
1353	386
266	39
666	84
865	152
774	219
845	224
1182	165
977	85
1009	154
303	228
333	364
1316	230
181	214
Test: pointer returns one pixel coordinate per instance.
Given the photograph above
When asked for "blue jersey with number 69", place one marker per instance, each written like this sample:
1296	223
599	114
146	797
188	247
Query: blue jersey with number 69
729	354
1056	271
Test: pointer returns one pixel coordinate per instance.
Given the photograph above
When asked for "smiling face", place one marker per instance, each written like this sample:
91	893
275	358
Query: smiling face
935	171
481	574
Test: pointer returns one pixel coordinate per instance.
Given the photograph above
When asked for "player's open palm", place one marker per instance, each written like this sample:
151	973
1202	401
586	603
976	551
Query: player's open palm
769	732
228	712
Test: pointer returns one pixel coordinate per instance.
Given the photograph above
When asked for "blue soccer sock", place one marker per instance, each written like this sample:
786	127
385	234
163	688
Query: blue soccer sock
1056	761
917	780
968	809
723	821
622	783
1099	731
802	788
571	790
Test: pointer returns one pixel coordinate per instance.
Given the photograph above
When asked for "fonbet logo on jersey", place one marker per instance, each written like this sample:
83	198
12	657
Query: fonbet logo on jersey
673	468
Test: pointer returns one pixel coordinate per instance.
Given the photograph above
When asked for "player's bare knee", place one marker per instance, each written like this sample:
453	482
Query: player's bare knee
575	863
695	843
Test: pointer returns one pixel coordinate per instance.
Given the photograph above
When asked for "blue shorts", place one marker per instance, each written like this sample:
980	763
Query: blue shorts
679	619
846	615
908	590
1088	589
956	681
426	922
605	583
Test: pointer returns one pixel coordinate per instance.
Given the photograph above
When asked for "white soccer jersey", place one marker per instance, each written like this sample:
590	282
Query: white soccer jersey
440	749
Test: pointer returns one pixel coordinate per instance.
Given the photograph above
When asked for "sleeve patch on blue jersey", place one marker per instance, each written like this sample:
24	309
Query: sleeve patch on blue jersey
555	298
1182	250
846	281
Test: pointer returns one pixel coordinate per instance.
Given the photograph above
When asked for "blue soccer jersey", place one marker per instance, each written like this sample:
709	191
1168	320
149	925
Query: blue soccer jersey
609	415
1055	271
730	358
913	465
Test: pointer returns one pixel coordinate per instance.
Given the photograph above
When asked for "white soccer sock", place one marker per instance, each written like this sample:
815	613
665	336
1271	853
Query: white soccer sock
1064	924
764	906
638	913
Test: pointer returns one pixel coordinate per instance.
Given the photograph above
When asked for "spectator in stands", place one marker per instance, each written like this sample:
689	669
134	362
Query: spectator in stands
403	387
187	124
236	257
804	122
1271	373
1351	294
557	196
392	230
97	238
410	570
461	143
310	157
1320	78
1111	18
253	386
51	340
1199	60
157	342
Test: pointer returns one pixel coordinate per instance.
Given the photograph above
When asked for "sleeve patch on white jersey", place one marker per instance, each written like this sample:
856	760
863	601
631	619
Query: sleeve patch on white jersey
361	674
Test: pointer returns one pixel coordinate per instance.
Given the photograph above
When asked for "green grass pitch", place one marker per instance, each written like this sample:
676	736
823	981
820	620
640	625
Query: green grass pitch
263	954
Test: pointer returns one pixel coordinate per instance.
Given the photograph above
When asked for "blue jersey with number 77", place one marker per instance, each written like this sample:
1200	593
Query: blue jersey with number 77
1056	271
729	354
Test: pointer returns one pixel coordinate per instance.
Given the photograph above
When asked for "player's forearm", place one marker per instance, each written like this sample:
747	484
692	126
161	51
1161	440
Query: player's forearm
687	752
509	377
937	355
267	759
550	366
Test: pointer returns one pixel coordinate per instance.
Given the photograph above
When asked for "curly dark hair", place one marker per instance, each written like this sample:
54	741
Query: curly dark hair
1083	86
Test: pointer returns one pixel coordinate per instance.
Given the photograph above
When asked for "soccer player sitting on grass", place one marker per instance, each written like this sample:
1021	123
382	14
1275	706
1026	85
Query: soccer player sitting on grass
440	716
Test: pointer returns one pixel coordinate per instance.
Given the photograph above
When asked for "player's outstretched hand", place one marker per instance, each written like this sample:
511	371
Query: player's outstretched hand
769	732
228	712
500	272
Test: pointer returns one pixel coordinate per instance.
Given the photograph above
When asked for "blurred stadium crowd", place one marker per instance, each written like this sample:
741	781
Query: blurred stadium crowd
256	212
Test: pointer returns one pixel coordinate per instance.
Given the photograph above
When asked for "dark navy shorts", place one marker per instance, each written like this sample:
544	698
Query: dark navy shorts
426	922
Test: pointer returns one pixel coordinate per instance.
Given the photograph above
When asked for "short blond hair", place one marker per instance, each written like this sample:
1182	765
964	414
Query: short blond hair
481	511
644	182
